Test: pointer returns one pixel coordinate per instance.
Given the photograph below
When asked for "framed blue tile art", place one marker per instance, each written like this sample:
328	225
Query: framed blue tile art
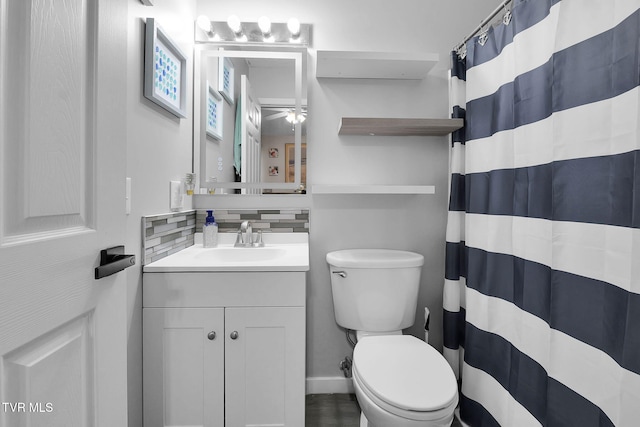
165	70
226	79
213	112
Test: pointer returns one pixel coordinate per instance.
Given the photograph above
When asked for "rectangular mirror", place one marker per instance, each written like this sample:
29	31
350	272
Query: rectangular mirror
249	112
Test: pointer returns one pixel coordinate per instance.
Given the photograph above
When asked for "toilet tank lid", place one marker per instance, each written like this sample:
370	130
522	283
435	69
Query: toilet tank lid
374	258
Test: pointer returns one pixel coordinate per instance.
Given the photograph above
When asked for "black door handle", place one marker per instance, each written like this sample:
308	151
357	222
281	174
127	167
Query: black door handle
113	260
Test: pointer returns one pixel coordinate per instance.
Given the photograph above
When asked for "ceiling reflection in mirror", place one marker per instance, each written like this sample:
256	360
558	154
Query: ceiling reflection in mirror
250	120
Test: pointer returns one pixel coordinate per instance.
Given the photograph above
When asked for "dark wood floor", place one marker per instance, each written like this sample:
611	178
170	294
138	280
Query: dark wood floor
336	410
332	410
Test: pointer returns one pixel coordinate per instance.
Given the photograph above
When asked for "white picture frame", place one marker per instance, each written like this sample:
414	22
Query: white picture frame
214	109
165	71
226	79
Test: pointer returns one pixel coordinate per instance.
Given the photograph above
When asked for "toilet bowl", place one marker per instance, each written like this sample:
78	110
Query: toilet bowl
401	381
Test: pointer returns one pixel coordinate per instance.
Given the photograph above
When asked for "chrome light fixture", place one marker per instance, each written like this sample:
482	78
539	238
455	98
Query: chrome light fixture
255	33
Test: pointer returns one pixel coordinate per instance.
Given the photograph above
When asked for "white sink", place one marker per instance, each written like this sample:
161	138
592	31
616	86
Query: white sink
282	252
226	254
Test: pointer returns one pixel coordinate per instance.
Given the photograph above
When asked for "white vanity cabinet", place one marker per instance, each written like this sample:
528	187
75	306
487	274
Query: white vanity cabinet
224	349
183	369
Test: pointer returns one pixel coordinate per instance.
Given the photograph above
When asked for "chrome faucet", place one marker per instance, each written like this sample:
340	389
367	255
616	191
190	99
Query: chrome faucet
246	231
244	238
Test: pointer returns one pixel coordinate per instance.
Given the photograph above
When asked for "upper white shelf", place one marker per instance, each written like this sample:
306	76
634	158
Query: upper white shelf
398	127
374	65
372	189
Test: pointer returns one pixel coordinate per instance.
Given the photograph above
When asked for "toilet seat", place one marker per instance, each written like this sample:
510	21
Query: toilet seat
405	376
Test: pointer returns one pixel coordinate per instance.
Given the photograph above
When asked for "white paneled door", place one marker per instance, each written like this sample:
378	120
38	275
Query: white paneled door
251	129
62	179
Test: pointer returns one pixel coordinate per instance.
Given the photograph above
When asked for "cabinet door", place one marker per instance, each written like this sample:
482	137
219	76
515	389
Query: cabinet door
183	367
265	366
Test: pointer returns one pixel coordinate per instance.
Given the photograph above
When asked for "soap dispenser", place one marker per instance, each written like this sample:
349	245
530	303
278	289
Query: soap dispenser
210	231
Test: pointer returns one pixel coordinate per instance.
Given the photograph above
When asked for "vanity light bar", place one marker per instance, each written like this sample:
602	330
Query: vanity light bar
280	34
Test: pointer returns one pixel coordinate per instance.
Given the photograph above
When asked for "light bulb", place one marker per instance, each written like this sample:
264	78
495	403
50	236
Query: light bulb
292	118
265	25
234	23
204	23
294	26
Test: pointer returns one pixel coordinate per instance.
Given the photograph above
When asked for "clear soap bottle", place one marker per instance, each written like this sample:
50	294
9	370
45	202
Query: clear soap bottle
210	231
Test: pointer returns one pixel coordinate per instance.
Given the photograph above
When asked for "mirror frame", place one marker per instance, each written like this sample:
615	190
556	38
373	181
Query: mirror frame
199	132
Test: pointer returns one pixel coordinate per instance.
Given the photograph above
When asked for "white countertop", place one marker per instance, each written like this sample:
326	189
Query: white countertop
282	252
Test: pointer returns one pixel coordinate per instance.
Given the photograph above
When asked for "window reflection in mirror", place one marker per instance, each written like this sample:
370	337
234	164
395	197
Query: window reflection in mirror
260	111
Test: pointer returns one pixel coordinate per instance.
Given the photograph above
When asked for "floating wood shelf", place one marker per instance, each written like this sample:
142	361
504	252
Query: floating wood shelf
373	189
374	65
398	127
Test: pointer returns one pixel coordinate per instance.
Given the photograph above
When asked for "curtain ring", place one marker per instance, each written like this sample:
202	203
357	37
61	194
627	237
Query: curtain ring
462	51
483	37
506	19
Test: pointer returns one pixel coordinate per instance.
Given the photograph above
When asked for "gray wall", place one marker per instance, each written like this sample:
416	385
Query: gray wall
415	223
158	151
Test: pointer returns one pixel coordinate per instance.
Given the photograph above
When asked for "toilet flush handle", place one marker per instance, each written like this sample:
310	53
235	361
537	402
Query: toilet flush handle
340	273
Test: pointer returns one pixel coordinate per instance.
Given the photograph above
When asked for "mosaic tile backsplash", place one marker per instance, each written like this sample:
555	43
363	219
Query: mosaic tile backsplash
166	234
267	220
163	235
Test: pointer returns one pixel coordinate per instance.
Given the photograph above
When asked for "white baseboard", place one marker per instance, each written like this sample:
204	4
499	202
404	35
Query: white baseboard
326	385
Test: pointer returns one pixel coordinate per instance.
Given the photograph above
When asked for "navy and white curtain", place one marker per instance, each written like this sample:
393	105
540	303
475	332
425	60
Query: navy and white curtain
542	288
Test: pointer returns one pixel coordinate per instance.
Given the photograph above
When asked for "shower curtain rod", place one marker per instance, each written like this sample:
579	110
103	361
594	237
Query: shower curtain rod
483	23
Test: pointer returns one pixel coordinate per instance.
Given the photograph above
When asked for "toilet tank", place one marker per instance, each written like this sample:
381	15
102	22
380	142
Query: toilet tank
375	290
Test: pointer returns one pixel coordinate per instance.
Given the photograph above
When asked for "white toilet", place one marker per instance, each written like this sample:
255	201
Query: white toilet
400	381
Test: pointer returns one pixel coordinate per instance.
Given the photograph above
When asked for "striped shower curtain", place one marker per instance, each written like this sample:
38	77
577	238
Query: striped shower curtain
542	288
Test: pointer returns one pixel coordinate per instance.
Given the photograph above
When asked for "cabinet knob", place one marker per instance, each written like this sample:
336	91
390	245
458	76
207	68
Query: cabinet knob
234	335
211	335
